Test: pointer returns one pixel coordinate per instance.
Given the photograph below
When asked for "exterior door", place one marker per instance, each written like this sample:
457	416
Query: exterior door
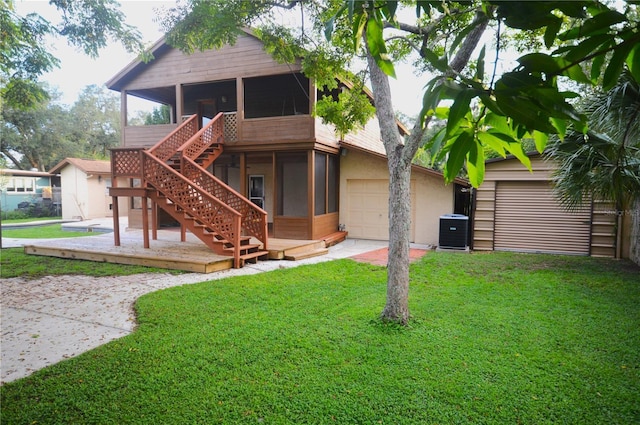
256	190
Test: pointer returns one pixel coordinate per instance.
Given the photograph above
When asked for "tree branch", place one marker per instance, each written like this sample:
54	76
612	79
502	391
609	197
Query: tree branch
12	158
457	65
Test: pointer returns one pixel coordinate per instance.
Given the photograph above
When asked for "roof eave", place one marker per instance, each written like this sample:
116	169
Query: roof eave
416	167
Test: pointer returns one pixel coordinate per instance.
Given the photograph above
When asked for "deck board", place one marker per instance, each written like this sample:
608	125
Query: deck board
165	252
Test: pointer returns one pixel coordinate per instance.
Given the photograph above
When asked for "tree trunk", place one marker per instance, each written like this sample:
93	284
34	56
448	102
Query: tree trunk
397	305
399	157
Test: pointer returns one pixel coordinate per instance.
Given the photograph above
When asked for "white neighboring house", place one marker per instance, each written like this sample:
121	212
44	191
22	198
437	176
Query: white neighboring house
85	188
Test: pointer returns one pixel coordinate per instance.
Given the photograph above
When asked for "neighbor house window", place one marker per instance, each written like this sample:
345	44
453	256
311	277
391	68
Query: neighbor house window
21	185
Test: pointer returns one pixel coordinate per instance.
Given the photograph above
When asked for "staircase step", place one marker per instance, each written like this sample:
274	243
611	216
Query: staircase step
253	257
306	254
334	238
244	248
244	240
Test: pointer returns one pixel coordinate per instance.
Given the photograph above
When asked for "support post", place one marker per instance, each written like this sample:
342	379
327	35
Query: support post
145	222
116	221
154	220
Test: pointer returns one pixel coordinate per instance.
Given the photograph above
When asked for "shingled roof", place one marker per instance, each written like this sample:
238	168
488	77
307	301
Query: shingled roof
88	166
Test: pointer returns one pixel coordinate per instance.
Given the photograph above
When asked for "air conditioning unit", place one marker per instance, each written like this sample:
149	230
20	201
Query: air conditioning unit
454	231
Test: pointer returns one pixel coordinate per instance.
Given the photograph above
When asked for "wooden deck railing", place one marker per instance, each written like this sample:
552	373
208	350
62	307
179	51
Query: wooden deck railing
254	218
193	199
167	147
192	188
126	162
212	133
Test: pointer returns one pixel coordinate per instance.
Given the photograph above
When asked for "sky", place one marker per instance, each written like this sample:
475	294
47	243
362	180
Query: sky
78	70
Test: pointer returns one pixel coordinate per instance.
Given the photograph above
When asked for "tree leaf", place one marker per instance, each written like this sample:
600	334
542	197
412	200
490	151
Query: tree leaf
516	150
475	163
596	25
551	32
498	122
493	142
457	153
613	70
389	10
524	111
490	103
633	62
358	29
585	47
539	62
460	108
596	68
430	99
540	139
480	65
328	28
560	125
377	47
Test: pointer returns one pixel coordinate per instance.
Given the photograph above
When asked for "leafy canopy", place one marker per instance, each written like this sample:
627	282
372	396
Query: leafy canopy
24	57
589	42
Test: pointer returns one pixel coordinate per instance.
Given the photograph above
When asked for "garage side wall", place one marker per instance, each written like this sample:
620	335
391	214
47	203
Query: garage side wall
431	198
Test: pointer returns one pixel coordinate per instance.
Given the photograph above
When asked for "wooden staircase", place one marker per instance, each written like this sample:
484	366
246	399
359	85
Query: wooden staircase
174	176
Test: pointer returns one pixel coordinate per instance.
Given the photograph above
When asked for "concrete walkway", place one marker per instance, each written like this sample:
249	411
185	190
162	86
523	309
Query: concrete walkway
50	319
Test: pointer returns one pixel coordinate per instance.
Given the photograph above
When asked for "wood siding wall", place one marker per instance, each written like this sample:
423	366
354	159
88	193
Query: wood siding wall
277	129
146	135
246	58
324	225
367	138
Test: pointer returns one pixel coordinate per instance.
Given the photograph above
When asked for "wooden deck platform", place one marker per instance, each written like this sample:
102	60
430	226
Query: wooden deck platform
165	252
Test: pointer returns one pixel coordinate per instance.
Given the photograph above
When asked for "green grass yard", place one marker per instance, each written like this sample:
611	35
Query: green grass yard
29	219
495	339
43	232
15	263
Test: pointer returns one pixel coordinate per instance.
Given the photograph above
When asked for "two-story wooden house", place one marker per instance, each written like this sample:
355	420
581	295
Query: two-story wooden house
266	146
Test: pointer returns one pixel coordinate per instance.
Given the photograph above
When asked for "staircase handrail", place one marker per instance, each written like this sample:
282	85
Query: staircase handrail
254	218
211	133
194	200
167	147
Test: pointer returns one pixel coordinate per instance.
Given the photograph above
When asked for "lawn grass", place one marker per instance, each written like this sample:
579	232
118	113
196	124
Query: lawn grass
42	232
494	339
29	220
15	263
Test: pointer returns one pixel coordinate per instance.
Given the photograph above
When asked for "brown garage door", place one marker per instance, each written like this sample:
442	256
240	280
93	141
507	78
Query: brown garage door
528	218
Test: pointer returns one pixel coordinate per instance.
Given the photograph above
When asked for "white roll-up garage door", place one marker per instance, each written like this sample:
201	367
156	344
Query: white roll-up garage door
528	218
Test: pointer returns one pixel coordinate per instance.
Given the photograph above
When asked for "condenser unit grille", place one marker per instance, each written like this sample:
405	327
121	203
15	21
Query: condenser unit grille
454	230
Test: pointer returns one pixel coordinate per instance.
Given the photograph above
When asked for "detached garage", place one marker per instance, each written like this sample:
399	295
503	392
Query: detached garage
516	210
